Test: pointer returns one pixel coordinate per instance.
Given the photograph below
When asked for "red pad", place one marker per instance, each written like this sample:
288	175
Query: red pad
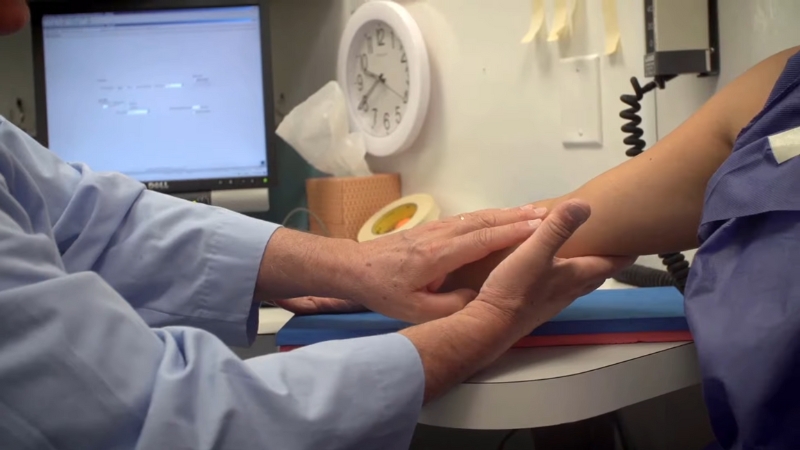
584	339
604	339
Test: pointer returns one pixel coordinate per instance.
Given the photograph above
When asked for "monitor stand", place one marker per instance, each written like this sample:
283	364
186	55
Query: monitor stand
240	200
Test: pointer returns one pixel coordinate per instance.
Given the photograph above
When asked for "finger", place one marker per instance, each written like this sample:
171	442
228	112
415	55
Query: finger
478	244
556	229
489	218
435	306
319	305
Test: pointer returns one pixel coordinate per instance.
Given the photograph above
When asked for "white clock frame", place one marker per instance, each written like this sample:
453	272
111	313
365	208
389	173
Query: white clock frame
407	30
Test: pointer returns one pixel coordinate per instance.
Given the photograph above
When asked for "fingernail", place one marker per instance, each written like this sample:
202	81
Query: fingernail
526	207
579	212
540	211
534	223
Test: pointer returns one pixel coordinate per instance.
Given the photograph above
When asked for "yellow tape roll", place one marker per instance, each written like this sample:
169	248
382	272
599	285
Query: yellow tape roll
401	214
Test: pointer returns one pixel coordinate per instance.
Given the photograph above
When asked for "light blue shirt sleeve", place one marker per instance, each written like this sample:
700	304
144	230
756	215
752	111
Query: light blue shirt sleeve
175	262
109	295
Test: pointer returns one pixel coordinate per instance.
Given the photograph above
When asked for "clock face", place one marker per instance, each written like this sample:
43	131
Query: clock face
378	80
384	73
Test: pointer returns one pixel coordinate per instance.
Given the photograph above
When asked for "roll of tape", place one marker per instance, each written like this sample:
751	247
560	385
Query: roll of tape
402	214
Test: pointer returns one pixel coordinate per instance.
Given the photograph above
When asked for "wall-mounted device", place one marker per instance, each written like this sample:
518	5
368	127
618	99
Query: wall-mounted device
176	94
681	37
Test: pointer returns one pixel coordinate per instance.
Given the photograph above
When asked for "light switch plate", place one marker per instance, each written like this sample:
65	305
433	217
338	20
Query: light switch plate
581	103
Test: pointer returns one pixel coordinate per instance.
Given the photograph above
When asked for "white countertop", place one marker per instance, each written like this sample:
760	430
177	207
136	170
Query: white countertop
535	387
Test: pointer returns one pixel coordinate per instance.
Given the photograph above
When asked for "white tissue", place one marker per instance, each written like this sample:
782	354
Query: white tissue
319	130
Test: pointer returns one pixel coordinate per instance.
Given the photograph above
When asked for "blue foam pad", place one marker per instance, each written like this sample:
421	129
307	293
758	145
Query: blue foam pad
602	311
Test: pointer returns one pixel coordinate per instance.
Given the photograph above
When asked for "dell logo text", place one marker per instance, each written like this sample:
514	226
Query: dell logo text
158	185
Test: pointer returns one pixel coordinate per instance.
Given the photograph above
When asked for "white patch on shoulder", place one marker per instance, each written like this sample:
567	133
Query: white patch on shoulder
785	145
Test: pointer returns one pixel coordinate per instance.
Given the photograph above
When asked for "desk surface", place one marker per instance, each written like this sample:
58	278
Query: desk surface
530	388
535	387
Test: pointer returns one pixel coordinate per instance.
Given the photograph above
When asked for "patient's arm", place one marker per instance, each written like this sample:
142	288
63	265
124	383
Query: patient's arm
652	203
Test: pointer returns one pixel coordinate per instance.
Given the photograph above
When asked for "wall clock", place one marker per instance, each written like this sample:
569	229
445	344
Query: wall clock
384	72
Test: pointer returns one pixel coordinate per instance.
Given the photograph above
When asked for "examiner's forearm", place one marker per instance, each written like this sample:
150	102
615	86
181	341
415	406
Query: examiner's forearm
455	347
302	264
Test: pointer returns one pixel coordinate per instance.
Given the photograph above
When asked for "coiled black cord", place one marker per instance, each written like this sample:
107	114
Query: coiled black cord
643	276
676	263
631	127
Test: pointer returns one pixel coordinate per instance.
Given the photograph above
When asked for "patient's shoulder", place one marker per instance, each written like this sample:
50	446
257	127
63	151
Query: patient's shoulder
743	99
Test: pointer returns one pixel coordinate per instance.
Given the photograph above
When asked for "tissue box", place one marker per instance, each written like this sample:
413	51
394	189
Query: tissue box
344	204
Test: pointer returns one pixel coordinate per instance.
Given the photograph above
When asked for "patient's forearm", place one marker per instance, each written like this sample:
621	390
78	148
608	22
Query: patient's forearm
653	202
650	204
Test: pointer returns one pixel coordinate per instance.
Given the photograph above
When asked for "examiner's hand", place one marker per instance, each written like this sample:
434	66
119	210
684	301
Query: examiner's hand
399	273
531	285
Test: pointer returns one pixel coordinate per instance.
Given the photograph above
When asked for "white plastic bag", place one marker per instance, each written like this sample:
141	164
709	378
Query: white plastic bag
319	130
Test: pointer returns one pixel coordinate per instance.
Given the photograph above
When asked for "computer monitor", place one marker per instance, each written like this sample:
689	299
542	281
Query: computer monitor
179	98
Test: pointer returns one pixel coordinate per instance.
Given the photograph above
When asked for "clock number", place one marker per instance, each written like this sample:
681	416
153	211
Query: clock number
392	33
364	62
360	82
363	106
403	58
369	43
405	97
374	117
397	115
380	34
386	122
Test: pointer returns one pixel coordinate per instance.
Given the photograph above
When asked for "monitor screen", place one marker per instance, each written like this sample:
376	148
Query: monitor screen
165	95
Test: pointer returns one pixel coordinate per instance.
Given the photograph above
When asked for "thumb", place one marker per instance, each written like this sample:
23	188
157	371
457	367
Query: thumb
556	229
435	306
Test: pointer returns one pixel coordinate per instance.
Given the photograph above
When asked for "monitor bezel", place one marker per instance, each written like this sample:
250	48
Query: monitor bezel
42	8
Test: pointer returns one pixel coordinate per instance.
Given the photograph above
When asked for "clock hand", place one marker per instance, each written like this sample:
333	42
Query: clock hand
370	73
369	92
382	79
393	91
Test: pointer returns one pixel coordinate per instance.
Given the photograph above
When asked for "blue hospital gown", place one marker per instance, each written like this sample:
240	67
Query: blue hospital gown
115	302
743	294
